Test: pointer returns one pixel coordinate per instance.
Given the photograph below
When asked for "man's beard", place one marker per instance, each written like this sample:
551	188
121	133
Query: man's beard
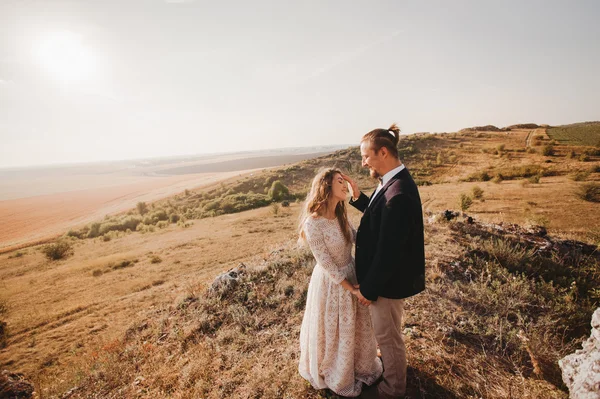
374	174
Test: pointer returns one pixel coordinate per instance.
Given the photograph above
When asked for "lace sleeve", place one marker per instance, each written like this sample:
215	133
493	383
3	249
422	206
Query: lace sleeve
316	242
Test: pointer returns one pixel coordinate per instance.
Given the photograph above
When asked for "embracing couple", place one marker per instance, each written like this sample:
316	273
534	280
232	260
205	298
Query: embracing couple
354	306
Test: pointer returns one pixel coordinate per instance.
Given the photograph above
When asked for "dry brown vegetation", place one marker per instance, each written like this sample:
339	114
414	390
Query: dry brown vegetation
128	315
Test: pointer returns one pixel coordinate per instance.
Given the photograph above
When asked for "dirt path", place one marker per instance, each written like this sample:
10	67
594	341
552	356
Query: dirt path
529	137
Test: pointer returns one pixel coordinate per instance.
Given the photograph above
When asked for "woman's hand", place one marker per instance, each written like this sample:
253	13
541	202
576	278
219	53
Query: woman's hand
356	292
353	186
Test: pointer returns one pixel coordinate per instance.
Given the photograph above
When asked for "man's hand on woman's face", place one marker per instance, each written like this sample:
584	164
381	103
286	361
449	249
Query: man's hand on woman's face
353	186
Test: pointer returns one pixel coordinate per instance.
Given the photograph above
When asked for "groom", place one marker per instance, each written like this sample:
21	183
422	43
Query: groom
390	255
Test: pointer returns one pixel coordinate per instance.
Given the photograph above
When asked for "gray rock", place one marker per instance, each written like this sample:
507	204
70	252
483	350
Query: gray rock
535	230
581	370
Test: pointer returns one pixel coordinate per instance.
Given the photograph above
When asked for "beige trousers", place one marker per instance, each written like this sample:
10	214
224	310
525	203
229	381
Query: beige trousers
386	315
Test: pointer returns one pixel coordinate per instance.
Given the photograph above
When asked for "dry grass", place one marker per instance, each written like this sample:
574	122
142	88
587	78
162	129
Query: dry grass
61	307
488	326
589	192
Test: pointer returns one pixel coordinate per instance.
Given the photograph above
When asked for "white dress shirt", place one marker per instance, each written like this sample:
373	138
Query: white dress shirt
386	178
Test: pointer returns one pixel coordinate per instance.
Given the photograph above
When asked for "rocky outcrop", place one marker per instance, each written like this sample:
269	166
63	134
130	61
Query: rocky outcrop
535	237
581	370
227	281
14	386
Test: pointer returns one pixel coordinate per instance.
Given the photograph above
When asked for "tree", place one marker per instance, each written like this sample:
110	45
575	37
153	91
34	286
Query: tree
278	191
142	208
57	251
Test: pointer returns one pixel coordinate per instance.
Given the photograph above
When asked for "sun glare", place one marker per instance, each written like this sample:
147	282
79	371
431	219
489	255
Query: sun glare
65	57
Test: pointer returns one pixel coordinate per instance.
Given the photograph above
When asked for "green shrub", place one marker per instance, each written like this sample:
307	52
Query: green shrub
594	152
278	191
142	208
159	215
212	205
174	218
477	192
571	154
479	176
275	208
94	230
589	192
439	159
107	227
155	259
162	224
75	233
548	150
534	179
241	202
464	202
129	223
17	254
584	158
513	281
579	176
123	264
498	178
58	250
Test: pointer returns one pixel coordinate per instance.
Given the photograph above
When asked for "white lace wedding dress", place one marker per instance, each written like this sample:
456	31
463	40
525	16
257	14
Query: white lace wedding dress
337	344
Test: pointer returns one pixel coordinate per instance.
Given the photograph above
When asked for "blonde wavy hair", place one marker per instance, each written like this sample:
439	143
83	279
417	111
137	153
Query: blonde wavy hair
317	199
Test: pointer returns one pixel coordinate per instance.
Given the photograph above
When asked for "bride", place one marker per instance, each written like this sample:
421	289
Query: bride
337	344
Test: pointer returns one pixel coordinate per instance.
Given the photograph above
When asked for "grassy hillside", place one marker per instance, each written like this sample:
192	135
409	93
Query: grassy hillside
124	309
502	306
585	134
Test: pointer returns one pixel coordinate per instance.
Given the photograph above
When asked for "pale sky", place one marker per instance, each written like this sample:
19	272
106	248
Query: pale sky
90	80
